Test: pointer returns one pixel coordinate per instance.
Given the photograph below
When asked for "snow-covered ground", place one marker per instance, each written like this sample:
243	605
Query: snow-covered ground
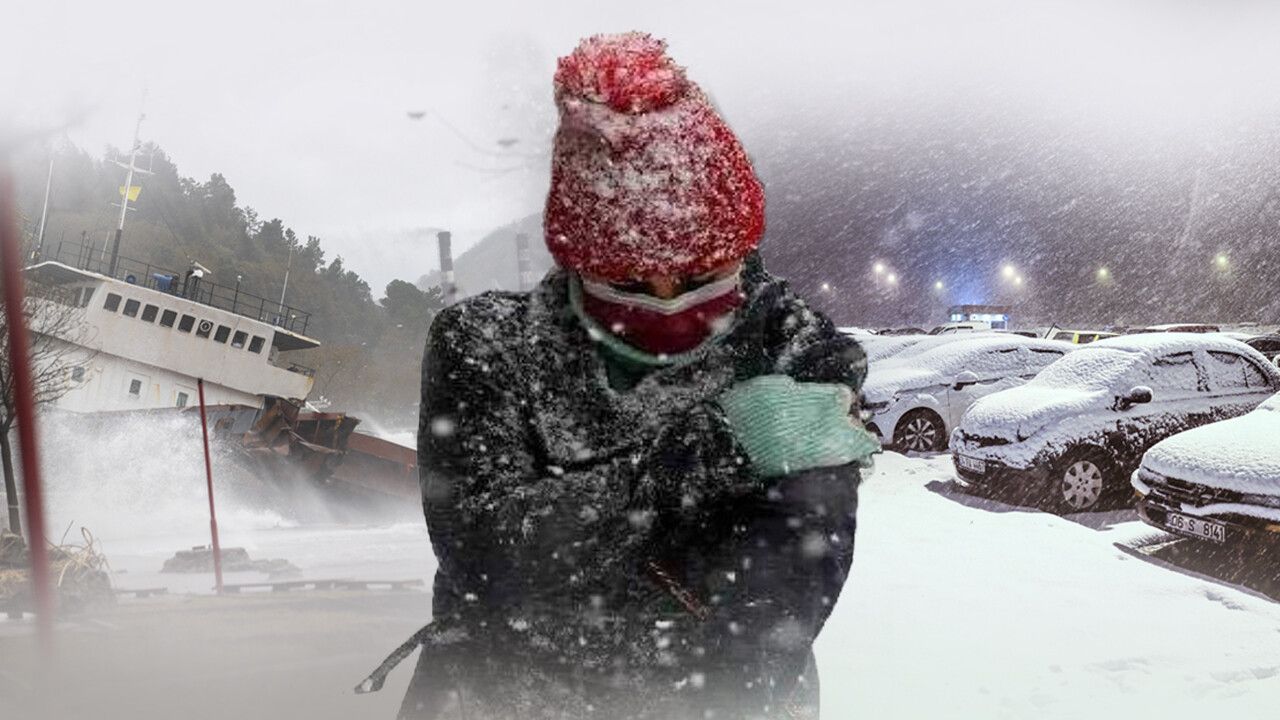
957	608
965	608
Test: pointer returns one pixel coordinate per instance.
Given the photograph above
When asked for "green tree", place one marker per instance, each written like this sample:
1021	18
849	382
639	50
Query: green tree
405	303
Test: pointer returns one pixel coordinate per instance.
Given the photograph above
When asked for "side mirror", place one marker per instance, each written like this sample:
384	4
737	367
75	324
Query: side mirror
964	378
1138	395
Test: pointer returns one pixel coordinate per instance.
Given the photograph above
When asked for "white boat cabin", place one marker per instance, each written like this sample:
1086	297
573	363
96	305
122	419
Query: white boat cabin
144	346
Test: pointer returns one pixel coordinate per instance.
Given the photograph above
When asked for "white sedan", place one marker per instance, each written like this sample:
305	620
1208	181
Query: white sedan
915	401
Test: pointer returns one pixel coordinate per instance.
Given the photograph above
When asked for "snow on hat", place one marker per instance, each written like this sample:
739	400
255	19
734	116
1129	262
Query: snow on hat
646	177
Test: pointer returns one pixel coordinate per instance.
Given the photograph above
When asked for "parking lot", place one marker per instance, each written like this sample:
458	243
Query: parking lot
965	607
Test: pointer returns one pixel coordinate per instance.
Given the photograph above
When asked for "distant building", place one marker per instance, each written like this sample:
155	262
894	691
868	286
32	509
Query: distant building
493	263
996	315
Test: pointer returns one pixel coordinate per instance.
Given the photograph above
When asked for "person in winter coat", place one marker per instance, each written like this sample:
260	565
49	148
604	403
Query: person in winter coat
640	478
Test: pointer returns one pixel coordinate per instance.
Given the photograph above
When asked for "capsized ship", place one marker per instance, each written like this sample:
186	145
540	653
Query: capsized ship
144	336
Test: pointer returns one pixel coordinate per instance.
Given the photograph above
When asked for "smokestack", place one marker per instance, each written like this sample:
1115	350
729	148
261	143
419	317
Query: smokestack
447	287
522	262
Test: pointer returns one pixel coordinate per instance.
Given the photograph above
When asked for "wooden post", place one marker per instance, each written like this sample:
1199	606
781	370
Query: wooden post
208	474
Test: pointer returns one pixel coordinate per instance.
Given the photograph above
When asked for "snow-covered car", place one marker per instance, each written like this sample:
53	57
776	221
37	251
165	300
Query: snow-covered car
960	327
1074	434
915	400
1219	482
902	347
879	348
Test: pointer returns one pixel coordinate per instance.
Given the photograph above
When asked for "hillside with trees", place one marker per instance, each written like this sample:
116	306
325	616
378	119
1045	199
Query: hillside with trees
368	362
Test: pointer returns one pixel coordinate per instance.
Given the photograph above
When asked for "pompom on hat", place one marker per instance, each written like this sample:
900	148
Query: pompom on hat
646	177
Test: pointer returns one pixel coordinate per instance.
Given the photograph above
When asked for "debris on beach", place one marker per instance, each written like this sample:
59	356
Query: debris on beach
79	574
199	559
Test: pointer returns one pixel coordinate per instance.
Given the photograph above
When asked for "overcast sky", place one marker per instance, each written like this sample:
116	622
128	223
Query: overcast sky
302	105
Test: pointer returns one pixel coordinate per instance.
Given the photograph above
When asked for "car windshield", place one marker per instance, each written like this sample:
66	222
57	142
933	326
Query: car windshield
1091	368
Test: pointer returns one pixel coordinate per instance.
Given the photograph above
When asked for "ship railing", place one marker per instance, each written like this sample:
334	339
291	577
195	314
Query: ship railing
184	285
300	369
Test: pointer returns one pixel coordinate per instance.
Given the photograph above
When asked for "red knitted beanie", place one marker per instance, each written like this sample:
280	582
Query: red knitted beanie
646	178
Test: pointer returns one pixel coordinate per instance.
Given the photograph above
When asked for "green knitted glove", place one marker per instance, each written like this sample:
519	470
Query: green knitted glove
786	426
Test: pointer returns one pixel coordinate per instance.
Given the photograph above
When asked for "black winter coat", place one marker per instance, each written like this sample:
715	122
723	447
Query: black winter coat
612	554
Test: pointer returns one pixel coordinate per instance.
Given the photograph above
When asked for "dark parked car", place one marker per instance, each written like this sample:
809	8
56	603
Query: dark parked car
1218	483
1072	436
1268	345
1179	327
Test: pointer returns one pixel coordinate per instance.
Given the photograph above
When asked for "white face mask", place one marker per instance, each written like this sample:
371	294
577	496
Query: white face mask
671	306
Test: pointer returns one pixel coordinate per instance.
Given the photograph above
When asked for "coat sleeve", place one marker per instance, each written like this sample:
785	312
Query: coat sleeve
777	557
789	558
504	527
771	564
792	542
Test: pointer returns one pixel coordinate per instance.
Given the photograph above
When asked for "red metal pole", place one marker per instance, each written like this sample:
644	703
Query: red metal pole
25	406
208	474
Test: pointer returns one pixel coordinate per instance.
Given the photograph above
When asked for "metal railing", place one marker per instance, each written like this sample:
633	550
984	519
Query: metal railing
301	369
183	285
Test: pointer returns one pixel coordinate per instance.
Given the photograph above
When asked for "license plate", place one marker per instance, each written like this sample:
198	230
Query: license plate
974	465
1196	527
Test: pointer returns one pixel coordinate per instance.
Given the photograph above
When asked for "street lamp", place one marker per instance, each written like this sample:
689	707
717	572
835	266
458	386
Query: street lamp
938	285
1018	281
1103	273
892	278
1009	272
879	268
1221	261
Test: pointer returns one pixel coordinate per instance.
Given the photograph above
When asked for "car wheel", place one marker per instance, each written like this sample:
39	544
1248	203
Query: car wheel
920	430
1079	482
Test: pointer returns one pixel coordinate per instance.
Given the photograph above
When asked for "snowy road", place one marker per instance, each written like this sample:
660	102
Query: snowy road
960	607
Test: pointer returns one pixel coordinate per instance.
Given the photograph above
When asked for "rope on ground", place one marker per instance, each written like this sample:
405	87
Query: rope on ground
82	572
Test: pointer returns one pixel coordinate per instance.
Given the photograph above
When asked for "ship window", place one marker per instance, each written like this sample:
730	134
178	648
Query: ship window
223	333
84	299
186	323
113	302
77	374
204	329
135	388
167	317
237	340
149	313
182	400
255	345
131	308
